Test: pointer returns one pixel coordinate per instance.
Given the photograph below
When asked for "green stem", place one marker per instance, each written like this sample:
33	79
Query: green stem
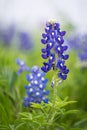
52	111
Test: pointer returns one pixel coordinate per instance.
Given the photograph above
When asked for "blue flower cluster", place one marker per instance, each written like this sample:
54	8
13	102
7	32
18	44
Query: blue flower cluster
79	44
22	66
36	92
54	50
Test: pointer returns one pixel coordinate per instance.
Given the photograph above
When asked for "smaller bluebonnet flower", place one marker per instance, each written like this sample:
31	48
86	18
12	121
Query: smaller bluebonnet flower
35	90
22	66
79	44
25	41
54	51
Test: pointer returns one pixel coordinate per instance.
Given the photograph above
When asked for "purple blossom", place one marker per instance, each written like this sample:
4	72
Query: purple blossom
54	51
35	90
22	66
79	44
25	41
7	34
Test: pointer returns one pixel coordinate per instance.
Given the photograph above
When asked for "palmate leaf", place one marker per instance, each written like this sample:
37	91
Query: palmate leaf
36	121
44	115
42	106
29	116
59	103
63	104
30	120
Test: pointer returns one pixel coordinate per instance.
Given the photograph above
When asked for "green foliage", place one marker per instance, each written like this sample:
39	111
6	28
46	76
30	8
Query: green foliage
46	116
60	114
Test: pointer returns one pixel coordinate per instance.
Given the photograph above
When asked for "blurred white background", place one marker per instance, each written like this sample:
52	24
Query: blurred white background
31	13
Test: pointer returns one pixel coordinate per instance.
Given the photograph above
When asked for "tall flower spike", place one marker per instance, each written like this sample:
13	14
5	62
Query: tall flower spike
54	51
36	92
22	66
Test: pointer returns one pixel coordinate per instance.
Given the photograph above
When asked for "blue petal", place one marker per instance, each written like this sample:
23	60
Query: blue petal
46	100
65	48
47	65
26	102
46	92
59	39
52	58
59	49
43	68
17	61
56	26
44	35
66	71
65	57
44	80
48	24
52	34
63	67
26	87
38	94
50	45
44	50
41	86
30	91
43	41
29	77
62	76
35	69
60	64
62	33
44	56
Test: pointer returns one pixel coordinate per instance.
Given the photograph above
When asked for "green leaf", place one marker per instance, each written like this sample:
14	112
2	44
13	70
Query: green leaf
11	127
19	125
63	103
71	111
35	105
26	116
82	122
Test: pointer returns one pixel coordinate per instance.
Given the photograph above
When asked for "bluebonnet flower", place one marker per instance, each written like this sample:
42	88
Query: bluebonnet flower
22	66
54	51
79	44
36	92
8	34
25	41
